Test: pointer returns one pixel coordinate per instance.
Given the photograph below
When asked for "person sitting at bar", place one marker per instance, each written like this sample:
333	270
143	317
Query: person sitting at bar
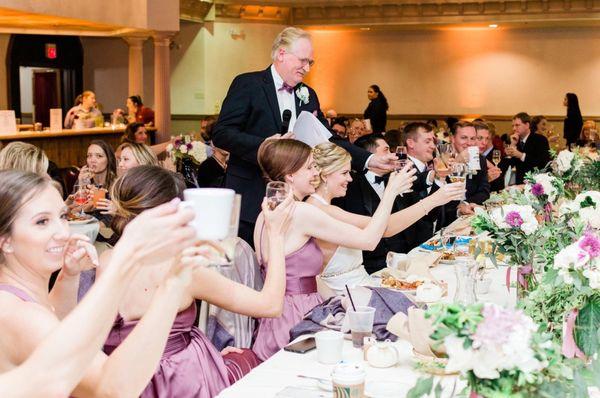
86	112
137	112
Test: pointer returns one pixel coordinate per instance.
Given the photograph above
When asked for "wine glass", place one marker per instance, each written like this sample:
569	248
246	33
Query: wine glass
458	173
276	193
80	197
402	154
496	157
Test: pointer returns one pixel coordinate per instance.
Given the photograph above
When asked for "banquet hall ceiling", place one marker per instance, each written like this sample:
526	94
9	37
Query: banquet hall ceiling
386	14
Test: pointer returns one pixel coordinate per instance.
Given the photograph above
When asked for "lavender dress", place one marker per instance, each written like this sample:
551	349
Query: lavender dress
301	268
190	365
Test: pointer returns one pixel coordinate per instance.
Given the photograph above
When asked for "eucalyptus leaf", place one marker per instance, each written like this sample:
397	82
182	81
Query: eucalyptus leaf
422	388
587	325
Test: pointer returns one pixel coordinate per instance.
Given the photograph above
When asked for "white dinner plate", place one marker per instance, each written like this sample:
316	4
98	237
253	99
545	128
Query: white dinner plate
84	221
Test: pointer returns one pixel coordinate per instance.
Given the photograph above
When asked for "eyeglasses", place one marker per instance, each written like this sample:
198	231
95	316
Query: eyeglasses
304	61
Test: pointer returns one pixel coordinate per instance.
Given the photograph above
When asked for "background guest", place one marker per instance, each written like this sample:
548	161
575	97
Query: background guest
132	155
101	165
86	112
574	120
486	149
356	129
137	112
528	150
211	172
377	109
539	124
330	115
136	132
393	138
589	134
339	126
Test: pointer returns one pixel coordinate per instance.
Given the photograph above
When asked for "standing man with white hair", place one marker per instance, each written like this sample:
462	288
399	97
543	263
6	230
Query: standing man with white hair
254	110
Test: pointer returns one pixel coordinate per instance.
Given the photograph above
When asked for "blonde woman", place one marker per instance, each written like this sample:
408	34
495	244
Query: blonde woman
22	156
132	155
343	265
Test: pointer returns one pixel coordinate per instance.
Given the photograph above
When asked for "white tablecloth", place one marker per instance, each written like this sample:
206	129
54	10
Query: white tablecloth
280	372
89	229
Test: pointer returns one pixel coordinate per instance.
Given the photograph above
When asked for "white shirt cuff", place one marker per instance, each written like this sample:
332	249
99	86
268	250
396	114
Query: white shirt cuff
523	157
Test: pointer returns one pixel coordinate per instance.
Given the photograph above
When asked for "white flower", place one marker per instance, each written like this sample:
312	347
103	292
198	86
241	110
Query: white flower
302	94
486	363
590	214
563	160
546	181
527	214
183	149
459	358
170	148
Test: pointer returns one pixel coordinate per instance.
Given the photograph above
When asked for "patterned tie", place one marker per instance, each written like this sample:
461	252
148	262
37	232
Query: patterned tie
286	87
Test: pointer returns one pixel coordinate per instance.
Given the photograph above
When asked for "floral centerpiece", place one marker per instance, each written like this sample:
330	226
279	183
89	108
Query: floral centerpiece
586	206
499	352
544	189
513	228
187	154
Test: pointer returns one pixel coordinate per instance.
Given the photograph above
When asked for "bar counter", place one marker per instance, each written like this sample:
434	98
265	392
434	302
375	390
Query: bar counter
69	147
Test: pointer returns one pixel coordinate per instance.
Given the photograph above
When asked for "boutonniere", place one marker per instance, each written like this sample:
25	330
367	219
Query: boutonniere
302	94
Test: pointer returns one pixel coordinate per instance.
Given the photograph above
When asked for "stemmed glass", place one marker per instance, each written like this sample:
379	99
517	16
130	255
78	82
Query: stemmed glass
402	154
496	157
277	192
458	173
80	197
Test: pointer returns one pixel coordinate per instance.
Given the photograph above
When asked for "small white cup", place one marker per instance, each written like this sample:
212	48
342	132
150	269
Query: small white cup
329	346
397	261
213	208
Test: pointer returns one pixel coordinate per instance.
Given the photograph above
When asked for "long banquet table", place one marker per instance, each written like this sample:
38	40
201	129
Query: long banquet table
278	376
68	147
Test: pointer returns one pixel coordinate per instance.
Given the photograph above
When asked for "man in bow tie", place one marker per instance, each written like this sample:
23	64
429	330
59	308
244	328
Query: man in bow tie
253	111
529	151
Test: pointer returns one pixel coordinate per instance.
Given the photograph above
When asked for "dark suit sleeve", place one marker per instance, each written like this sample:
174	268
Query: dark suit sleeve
538	154
481	191
229	132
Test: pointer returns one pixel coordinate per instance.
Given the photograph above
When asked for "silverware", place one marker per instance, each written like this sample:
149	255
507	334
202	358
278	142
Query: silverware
319	379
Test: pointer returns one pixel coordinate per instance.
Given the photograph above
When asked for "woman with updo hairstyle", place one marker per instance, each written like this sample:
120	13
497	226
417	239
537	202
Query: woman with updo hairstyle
132	155
22	156
376	112
35	242
292	162
342	265
191	366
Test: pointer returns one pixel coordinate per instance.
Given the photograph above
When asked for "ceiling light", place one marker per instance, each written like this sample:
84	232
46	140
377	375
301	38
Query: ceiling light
365	28
493	25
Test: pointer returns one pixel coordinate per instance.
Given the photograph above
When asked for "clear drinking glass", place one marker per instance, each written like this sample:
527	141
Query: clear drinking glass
496	157
80	197
465	283
277	192
458	173
361	324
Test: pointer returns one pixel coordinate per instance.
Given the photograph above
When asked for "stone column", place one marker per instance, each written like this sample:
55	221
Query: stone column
162	86
136	65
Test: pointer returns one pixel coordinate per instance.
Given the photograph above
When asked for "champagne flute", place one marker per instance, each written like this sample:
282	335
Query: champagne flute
276	193
496	157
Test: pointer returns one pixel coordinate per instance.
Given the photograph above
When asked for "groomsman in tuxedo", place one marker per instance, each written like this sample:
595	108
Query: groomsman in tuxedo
528	150
363	196
254	110
495	173
478	187
420	144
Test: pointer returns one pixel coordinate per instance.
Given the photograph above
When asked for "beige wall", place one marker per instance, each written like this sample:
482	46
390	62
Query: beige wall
459	71
4	39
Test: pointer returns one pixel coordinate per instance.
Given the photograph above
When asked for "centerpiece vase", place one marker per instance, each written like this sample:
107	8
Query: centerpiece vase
189	170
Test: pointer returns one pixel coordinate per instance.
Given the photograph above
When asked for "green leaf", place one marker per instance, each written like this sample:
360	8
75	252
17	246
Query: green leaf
438	390
587	325
422	388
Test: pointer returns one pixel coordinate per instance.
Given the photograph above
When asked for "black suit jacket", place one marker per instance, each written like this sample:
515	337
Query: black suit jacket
537	156
421	230
250	113
362	199
498	183
478	191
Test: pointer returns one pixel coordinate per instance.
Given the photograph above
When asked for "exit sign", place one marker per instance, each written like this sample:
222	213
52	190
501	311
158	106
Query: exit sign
51	51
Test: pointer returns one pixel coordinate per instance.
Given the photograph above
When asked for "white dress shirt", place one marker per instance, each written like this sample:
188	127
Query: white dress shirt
284	99
379	188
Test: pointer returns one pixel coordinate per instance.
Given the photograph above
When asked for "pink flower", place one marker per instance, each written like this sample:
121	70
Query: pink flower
537	189
514	219
497	325
590	243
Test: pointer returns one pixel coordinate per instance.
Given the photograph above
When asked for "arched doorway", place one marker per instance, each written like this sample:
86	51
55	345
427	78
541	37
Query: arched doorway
56	64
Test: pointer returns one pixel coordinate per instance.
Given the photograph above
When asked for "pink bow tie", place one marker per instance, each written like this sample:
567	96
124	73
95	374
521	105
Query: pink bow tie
286	87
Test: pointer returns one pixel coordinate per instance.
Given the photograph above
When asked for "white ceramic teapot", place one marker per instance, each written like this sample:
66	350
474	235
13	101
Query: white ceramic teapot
382	354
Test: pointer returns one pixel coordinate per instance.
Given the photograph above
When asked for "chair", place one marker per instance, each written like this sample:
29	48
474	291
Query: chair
68	177
225	328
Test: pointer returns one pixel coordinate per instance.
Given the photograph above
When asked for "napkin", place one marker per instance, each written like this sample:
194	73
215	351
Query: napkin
416	329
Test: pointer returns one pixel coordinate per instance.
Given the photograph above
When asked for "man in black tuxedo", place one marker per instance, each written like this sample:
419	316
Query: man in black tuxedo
495	173
528	150
478	187
363	196
253	111
420	144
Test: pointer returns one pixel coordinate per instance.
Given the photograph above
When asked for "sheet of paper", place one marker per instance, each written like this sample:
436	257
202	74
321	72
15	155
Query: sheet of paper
55	119
310	130
8	122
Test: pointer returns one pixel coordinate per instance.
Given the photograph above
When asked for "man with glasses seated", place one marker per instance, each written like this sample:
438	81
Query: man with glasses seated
253	111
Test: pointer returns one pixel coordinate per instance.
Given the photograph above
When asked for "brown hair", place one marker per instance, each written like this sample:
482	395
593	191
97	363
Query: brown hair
111	161
481	126
280	157
142	188
411	130
130	130
461	124
17	187
523	117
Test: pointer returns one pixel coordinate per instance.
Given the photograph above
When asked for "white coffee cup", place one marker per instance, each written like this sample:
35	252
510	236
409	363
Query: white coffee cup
330	344
213	208
348	380
474	158
397	261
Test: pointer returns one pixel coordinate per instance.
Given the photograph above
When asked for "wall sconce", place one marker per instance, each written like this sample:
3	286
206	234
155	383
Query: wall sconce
237	34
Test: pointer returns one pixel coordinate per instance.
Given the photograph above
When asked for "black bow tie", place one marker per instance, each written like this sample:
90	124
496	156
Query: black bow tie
380	179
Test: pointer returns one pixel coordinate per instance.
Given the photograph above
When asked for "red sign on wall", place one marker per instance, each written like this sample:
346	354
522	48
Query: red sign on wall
51	51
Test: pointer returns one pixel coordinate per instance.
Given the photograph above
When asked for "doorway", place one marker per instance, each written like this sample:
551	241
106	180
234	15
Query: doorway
40	92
